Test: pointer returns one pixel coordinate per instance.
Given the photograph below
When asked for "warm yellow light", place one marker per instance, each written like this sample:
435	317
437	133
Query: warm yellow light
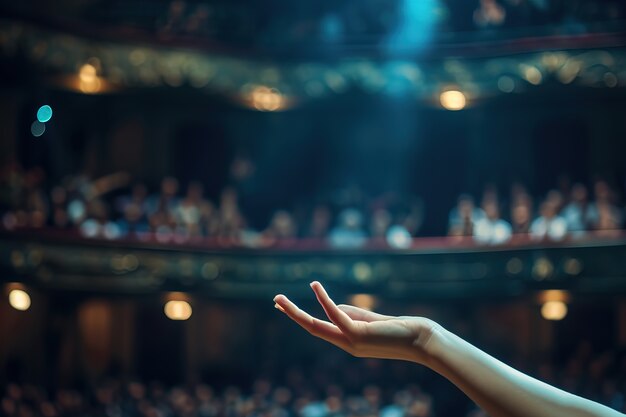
90	87
554	295
554	310
267	99
87	73
89	82
364	301
533	75
453	100
362	271
19	300
177	310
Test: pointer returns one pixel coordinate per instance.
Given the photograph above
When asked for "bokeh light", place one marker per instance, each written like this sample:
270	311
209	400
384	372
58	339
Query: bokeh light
362	271
177	310
44	114
267	99
554	310
398	237
533	75
453	100
19	299
364	301
37	128
506	84
89	81
87	73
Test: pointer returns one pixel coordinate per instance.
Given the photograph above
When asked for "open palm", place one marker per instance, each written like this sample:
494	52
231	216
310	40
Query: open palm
364	333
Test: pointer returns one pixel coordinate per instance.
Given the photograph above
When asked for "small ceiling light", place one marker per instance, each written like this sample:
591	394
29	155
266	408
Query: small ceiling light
177	310
19	300
453	100
554	310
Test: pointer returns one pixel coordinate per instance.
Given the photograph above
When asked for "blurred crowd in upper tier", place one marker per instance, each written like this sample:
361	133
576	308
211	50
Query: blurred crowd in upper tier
114	207
330	22
361	389
278	22
571	212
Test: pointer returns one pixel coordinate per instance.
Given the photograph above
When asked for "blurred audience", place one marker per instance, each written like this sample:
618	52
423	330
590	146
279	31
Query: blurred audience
563	214
237	21
358	390
464	216
549	225
113	207
491	229
349	232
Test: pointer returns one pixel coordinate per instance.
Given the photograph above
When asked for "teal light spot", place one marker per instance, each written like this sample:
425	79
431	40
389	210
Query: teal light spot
37	128
44	113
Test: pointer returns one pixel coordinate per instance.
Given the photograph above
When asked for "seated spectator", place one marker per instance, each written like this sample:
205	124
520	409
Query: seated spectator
379	223
320	222
491	229
134	211
166	201
411	215
521	218
605	209
98	224
192	211
609	220
549	225
348	234
579	214
556	198
60	217
463	216
160	209
282	226
230	220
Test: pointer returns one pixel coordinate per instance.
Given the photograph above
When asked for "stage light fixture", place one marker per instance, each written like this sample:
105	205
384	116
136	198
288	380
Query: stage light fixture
19	299
453	100
177	310
89	81
554	310
267	99
87	73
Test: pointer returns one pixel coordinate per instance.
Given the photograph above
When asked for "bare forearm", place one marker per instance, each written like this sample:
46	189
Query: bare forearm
497	388
501	390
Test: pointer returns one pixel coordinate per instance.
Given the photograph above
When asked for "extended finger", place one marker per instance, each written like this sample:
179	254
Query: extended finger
319	328
359	314
340	318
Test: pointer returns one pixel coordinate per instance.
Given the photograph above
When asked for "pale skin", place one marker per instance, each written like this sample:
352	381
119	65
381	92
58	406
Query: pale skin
496	387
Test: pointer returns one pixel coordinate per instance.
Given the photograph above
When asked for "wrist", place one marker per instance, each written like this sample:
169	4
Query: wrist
428	344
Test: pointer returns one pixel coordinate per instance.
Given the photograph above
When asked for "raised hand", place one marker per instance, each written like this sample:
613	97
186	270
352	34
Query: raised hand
364	333
499	389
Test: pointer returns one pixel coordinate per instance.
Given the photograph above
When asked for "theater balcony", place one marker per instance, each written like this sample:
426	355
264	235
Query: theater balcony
442	268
